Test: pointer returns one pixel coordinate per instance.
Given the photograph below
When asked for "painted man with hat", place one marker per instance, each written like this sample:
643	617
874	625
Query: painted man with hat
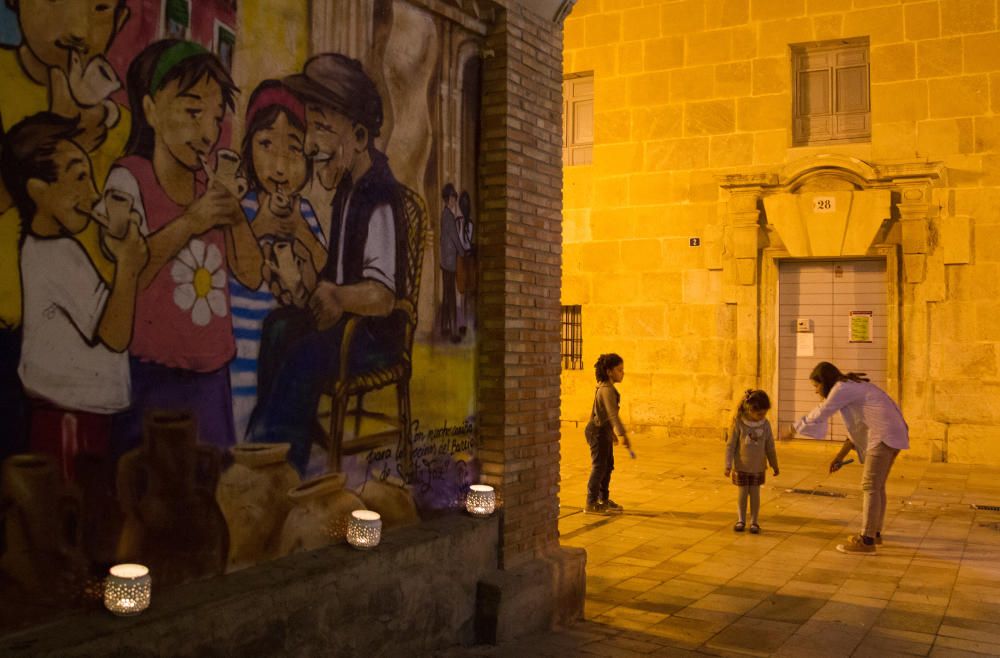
365	269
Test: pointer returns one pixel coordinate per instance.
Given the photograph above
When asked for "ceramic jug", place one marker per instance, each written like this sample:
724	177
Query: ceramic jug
392	500
253	496
166	488
43	544
319	514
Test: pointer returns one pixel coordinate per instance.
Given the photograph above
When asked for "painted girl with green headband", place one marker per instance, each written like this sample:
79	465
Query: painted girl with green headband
198	236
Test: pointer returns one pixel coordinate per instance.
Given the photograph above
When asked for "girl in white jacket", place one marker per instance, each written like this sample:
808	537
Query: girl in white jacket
877	432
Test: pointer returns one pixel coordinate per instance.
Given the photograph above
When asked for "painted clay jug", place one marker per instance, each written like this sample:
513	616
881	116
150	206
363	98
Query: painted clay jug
253	497
43	550
319	516
167	491
392	500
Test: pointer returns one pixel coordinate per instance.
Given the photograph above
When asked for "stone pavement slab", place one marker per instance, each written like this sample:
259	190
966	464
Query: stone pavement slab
669	577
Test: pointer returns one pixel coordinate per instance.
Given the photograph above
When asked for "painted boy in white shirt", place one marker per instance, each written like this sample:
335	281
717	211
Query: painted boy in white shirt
76	328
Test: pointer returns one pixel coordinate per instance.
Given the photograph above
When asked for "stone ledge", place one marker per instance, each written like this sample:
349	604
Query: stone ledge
538	595
415	592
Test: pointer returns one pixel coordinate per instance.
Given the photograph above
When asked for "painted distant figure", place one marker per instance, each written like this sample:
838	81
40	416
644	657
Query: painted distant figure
451	248
465	279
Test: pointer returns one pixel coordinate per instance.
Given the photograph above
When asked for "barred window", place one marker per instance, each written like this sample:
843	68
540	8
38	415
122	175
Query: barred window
572	338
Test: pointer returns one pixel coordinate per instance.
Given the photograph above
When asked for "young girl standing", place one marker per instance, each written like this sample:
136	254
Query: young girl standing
748	452
602	433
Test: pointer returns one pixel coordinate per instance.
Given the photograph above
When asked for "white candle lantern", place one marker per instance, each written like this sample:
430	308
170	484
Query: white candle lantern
364	529
127	589
481	501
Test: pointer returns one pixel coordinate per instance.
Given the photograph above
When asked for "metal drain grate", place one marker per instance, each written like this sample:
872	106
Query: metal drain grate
985	508
817	492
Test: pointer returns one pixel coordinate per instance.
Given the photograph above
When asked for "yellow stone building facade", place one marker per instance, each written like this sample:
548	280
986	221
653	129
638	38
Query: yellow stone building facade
693	138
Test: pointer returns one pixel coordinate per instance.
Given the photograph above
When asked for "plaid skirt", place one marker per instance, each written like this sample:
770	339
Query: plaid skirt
742	479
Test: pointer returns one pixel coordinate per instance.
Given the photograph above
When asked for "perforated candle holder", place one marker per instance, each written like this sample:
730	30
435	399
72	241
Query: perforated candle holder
481	501
127	589
364	529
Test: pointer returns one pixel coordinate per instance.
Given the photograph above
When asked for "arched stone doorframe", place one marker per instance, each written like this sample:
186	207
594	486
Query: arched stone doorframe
823	207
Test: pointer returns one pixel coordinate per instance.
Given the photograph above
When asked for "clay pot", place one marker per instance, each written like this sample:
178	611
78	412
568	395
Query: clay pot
43	550
392	500
319	516
166	488
253	497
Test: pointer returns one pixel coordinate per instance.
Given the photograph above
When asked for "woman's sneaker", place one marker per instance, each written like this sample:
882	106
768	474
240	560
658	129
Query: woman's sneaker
856	544
612	506
595	508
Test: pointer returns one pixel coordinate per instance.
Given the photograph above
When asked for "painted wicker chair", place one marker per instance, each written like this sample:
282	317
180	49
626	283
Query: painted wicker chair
355	385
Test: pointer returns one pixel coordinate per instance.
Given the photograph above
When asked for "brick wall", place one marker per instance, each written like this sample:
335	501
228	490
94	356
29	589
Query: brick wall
520	250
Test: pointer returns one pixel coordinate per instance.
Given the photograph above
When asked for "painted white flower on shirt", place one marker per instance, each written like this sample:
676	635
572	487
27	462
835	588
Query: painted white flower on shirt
200	280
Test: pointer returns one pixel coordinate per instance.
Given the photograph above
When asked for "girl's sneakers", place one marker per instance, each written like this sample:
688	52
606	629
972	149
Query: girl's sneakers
856	544
613	507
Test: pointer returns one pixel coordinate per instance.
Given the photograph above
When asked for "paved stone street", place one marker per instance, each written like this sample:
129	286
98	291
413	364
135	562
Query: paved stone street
669	577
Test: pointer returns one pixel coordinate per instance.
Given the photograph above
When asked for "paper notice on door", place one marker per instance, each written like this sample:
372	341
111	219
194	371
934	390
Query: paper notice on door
860	325
804	344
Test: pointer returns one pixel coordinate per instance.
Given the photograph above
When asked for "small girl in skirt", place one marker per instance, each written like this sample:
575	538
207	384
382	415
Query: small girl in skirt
748	452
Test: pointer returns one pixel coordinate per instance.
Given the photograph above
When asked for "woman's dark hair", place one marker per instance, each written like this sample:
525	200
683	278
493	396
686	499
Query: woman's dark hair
754	399
826	375
188	72
265	118
605	364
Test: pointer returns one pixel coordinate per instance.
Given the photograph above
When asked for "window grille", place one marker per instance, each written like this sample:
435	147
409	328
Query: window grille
572	338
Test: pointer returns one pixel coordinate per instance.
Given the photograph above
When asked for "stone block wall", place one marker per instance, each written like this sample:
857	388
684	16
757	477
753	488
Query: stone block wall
687	91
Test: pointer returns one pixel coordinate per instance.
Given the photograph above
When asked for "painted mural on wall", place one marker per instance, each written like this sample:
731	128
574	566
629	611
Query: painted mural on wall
235	304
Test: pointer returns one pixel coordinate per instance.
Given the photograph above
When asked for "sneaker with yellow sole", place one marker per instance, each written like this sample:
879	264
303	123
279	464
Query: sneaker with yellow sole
855	544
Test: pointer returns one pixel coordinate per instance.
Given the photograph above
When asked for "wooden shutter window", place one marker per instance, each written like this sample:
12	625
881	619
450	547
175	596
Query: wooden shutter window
578	119
831	93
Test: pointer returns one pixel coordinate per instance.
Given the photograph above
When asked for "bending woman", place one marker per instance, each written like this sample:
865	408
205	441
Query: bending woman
877	432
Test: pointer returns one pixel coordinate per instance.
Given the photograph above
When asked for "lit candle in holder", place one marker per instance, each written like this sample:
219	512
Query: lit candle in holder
481	501
364	529
127	589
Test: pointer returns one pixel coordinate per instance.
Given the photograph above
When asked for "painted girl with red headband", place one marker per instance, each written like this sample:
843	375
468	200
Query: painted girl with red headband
284	224
198	237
